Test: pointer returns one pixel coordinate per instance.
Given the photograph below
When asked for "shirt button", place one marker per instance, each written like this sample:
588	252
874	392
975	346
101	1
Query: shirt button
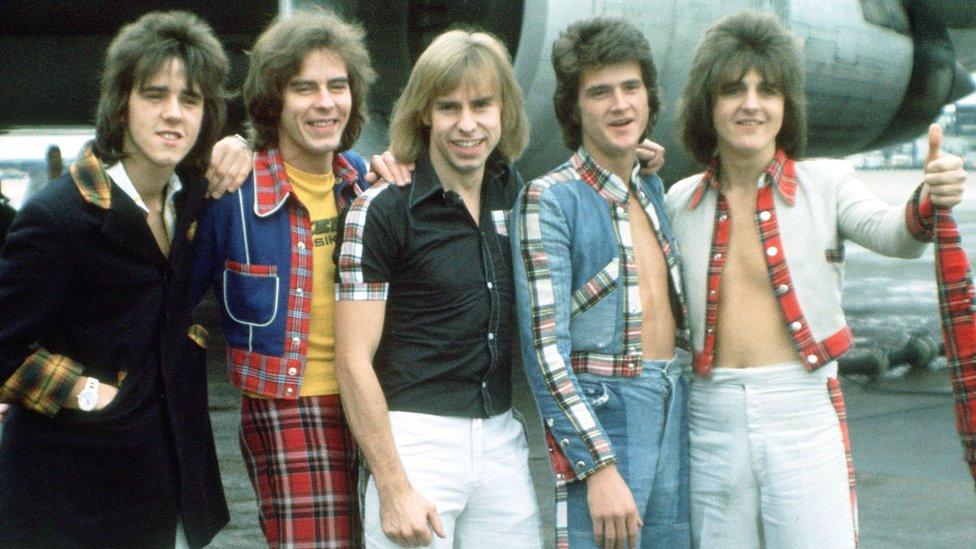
765	215
484	384
491	336
711	293
296	340
292	371
300	292
559	476
723	217
717	257
301	245
564	442
290	391
630	366
782	289
812	359
796	325
490	285
771	251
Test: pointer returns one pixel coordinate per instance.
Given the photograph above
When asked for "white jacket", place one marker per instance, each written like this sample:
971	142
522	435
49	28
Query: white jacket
830	205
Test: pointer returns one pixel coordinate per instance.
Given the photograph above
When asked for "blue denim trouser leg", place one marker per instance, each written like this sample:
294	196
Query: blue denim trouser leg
646	420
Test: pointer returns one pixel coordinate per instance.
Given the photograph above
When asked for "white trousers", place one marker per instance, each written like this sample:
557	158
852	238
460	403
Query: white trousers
475	471
768	463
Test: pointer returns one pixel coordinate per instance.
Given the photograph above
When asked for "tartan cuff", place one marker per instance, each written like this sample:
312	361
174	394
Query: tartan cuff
920	217
363	291
600	463
42	383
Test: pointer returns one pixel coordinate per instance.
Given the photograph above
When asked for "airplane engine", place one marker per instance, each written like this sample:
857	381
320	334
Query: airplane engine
877	71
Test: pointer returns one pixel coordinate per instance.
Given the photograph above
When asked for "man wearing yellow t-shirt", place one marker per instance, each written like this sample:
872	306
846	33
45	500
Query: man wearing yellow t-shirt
267	252
315	192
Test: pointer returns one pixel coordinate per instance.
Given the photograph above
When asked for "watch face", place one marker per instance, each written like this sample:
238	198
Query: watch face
87	400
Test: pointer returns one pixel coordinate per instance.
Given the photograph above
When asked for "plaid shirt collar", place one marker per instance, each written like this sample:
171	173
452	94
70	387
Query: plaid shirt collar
426	182
781	174
606	184
93	183
272	188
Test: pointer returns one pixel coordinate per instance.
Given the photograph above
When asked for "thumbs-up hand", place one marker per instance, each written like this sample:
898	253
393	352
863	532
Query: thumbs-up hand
945	177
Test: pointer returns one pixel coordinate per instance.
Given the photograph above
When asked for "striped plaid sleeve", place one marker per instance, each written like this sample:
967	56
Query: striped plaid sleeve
42	383
546	263
362	261
920	217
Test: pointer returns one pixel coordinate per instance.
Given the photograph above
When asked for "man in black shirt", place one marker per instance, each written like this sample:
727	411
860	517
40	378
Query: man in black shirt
424	312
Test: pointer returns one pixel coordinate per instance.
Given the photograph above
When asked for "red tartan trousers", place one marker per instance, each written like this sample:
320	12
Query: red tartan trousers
303	465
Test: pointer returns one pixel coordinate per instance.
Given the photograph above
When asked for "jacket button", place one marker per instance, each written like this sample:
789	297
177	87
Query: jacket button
580	464
559	476
549	422
812	359
796	325
765	215
292	371
564	442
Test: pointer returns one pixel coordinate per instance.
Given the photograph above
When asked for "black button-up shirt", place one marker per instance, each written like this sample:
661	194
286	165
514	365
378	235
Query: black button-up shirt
446	347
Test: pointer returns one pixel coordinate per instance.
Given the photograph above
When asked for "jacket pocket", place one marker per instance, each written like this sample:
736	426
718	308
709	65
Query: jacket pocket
251	293
595	289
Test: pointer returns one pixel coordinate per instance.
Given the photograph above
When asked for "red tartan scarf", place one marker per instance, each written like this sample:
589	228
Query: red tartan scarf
956	307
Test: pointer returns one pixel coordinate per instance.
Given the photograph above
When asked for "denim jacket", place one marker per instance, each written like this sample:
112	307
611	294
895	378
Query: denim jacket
255	248
578	302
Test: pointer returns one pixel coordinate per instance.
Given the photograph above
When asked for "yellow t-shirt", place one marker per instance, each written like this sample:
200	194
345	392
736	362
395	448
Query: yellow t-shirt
315	193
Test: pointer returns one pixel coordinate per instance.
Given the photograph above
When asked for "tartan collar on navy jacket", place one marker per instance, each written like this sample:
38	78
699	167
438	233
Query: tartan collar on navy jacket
93	183
781	174
272	188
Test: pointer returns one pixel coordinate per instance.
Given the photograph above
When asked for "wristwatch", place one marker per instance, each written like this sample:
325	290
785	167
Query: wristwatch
88	397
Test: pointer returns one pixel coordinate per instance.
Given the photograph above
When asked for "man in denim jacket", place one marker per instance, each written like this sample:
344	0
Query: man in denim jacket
600	304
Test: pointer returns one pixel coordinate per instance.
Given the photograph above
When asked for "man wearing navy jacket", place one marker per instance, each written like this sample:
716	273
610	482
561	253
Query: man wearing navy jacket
108	442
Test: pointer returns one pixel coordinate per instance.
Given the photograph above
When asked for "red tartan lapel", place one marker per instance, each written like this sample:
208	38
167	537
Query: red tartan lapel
956	307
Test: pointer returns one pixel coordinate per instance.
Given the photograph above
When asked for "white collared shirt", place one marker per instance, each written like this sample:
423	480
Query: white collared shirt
121	178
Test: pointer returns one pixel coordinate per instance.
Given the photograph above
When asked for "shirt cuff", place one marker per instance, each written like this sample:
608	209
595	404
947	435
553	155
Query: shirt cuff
42	383
363	291
920	217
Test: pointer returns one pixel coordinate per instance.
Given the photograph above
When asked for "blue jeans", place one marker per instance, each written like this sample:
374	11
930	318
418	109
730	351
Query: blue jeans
646	420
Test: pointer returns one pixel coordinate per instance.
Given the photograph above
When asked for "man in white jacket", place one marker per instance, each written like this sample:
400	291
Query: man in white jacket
761	236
